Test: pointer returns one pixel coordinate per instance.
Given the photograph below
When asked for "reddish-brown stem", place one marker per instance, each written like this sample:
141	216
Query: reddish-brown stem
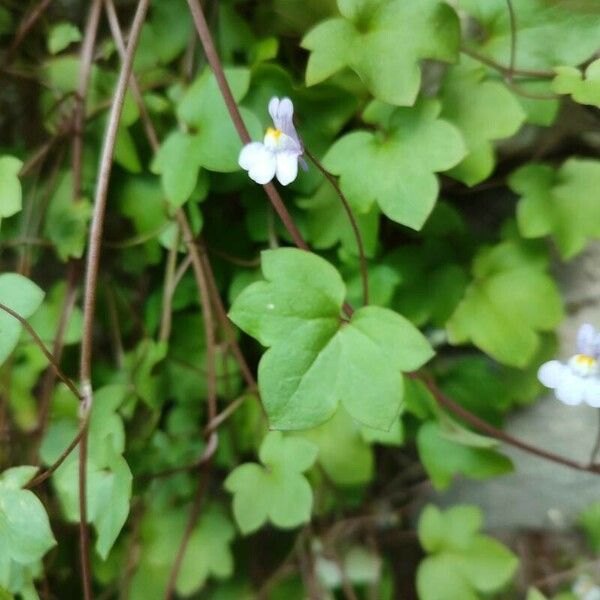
485	427
211	385
40	344
27	23
49	378
86	58
215	63
364	270
486	60
91	277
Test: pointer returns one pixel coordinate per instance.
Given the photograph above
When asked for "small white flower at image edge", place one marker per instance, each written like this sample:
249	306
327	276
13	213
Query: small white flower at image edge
279	152
578	380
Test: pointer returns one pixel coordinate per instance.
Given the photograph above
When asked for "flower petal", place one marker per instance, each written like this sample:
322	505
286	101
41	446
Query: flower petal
585	339
571	390
287	167
551	373
592	392
249	154
259	161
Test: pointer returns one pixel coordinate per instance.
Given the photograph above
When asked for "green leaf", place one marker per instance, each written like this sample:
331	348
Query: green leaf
589	521
343	453
216	144
483	111
418	145
25	534
61	36
548	33
67	220
383	43
585	90
277	492
563	203
109	478
327	223
444	458
534	594
462	562
510	300
10	186
316	360
22	296
207	554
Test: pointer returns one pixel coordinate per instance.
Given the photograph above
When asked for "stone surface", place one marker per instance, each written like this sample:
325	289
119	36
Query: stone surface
540	494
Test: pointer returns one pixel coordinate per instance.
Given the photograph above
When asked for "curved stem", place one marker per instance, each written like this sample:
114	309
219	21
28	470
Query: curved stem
91	277
490	62
485	427
513	40
364	271
596	447
40	344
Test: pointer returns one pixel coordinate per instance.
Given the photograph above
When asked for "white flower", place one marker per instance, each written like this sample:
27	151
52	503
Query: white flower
278	154
578	380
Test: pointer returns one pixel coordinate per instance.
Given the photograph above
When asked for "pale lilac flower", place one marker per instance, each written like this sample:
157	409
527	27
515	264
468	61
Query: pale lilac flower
578	380
278	154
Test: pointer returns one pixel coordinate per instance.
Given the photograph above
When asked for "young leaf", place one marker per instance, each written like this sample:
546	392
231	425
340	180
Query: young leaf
462	563
510	300
444	458
343	453
277	492
548	33
10	186
315	359
563	203
483	111
24	297
61	36
585	90
25	534
202	108
417	145
383	42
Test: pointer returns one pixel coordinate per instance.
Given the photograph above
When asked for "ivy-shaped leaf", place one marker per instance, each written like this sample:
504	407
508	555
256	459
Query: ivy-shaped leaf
109	478
25	534
277	491
383	43
343	453
585	90
22	296
61	36
10	186
563	203
444	457
327	224
397	169
548	33
203	109
483	110
462	563
316	360
208	551
510	300
66	220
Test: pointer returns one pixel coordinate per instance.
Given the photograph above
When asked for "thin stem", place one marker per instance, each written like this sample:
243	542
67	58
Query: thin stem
169	289
49	379
224	414
91	278
596	447
498	434
215	63
513	40
25	26
211	385
486	60
85	66
364	270
40	344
